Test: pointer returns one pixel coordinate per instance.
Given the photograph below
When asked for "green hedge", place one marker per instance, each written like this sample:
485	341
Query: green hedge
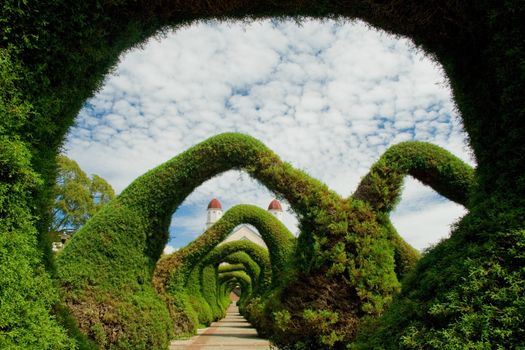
260	256
177	270
114	255
59	52
433	166
230	267
251	268
279	240
242	278
256	264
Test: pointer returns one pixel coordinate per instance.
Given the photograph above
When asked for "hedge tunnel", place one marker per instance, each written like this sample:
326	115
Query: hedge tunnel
243	259
250	271
251	268
240	276
201	285
339	237
259	255
278	239
466	290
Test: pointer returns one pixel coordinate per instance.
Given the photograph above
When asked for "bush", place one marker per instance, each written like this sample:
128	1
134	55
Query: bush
58	53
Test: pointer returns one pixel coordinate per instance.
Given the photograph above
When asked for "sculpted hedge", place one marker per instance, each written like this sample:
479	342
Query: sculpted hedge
53	55
201	285
171	275
111	260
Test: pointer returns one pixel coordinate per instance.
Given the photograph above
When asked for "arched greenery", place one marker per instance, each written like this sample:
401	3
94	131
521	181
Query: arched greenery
53	55
231	267
248	294
260	256
340	237
242	278
249	266
273	232
430	164
276	236
256	264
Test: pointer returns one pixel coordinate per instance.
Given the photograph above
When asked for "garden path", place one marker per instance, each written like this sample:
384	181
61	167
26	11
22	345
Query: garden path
231	333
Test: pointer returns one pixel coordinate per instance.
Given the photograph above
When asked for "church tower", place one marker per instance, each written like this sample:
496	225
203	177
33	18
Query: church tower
214	212
276	209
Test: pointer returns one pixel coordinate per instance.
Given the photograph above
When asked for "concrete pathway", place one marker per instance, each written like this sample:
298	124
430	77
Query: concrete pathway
231	333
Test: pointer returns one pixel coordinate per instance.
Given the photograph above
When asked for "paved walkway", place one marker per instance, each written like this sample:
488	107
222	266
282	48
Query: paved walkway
231	333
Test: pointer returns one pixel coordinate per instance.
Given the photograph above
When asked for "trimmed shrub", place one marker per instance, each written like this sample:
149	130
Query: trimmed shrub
59	53
341	239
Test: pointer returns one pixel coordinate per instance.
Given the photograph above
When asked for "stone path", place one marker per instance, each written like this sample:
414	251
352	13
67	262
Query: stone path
231	333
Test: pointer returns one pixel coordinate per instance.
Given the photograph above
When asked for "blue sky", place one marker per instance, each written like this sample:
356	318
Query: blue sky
328	97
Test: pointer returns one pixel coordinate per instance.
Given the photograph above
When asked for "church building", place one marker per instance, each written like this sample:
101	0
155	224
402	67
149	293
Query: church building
242	231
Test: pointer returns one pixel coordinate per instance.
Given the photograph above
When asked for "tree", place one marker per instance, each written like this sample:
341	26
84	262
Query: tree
77	197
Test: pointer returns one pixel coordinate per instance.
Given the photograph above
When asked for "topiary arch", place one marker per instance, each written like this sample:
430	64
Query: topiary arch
278	239
111	260
260	273
202	280
53	55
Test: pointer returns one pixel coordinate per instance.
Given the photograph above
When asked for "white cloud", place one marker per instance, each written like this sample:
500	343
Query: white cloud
168	249
327	97
423	218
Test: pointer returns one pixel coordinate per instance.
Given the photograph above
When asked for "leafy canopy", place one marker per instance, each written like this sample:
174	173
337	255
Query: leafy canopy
77	197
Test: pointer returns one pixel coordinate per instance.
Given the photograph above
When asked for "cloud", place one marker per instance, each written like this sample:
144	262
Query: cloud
423	217
169	249
328	97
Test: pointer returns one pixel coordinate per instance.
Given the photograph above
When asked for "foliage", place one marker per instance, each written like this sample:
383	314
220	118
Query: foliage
253	254
77	197
183	267
27	294
240	277
341	238
430	164
211	291
276	236
230	267
253	260
54	54
251	267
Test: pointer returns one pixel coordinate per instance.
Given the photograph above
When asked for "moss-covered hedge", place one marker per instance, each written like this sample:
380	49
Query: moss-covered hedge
430	164
344	244
259	275
240	277
173	272
250	267
201	285
258	255
54	54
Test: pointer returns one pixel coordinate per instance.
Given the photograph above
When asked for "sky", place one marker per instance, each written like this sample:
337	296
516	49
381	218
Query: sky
328	97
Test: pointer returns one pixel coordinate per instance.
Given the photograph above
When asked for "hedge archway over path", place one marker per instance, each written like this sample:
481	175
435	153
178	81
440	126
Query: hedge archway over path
256	264
53	55
241	277
279	240
112	258
248	265
226	253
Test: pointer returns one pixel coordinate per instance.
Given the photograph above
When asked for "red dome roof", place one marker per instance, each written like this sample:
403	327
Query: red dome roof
275	205
214	204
